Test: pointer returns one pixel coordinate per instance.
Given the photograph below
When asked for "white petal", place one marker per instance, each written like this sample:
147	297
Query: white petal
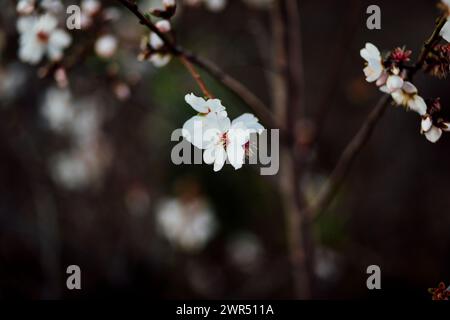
408	87
418	105
220	157
26	24
399	97
209	155
31	51
60	39
370	52
445	31
197	103
215	105
160	60
394	83
250	122
426	124
236	154
194	131
46	23
433	134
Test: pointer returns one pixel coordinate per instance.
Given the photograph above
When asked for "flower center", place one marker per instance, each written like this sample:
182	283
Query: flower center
43	36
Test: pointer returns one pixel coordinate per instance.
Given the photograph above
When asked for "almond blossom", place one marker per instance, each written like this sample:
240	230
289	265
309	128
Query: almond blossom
40	36
374	64
220	137
432	124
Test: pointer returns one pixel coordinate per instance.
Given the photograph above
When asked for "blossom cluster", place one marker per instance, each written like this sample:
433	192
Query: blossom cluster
39	33
42	34
390	74
212	131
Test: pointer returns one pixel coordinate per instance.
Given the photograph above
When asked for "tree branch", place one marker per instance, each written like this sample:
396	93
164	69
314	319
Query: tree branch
347	158
240	90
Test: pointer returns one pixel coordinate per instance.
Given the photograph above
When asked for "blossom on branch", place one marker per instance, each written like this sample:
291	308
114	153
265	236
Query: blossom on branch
220	137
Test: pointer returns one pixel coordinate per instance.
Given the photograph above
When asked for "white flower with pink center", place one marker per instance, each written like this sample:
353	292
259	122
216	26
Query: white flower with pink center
39	36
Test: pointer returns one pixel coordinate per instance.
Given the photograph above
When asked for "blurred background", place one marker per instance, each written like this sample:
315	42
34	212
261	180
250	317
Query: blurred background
86	176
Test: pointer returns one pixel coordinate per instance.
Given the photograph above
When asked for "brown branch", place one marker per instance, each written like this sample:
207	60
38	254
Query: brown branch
347	158
241	91
196	77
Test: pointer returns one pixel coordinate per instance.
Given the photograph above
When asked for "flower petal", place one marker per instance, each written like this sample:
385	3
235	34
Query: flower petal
433	134
197	103
236	154
194	131
394	82
426	124
418	105
445	31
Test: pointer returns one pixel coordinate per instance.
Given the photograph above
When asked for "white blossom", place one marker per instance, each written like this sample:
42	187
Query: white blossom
188	225
213	131
106	46
159	59
40	36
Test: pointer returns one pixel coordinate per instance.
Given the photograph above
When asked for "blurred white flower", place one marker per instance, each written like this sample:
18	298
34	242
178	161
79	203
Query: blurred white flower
89	8
11	80
40	36
188	225
106	46
25	7
159	59
374	64
57	109
245	251
80	167
52	6
327	264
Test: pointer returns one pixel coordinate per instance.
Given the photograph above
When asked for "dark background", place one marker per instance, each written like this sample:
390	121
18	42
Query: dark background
392	210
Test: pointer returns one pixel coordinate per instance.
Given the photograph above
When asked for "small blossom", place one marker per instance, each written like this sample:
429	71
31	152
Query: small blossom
157	55
187	224
432	124
106	46
40	36
374	64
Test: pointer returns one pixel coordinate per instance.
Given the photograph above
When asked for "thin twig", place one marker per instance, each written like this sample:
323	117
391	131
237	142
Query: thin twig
241	91
347	158
196	77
